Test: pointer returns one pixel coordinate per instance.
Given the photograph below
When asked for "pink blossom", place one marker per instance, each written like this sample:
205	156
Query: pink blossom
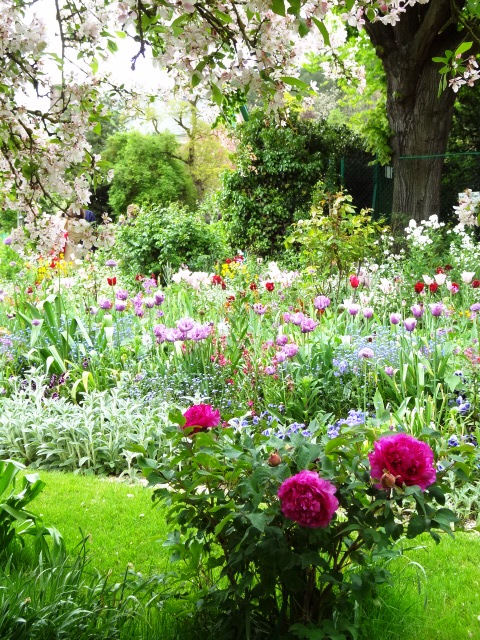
407	459
308	499
201	417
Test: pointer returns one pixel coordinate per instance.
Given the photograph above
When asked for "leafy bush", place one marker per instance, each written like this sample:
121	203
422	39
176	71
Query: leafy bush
168	236
277	168
264	565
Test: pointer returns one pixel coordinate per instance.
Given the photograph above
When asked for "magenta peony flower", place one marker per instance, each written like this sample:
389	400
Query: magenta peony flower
407	459
308	499
201	416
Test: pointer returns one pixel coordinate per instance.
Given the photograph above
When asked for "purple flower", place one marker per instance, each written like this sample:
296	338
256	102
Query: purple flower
281	356
321	302
8	240
120	305
185	324
297	318
436	309
308	499
409	324
475	307
417	310
158	298
390	371
287	316
353	309
308	325
395	318
149	303
366	353
149	284
282	340
368	313
259	309
93	311
159	331
290	350
270	370
105	304
110	263
36	322
121	294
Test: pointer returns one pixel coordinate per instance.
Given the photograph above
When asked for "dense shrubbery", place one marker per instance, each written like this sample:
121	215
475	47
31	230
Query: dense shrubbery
277	169
160	237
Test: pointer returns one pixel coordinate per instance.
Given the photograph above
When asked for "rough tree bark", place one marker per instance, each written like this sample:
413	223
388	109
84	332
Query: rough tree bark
419	119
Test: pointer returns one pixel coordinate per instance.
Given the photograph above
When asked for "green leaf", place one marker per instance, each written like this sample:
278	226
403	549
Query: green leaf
278	7
294	82
416	526
465	46
217	95
112	46
323	30
259	520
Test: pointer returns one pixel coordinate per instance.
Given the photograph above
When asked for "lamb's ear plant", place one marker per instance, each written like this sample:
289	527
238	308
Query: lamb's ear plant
276	533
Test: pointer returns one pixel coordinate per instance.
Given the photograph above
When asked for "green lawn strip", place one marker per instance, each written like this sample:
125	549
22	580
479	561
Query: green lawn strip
435	594
122	526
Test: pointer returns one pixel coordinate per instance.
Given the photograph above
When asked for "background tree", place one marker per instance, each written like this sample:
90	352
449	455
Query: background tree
147	170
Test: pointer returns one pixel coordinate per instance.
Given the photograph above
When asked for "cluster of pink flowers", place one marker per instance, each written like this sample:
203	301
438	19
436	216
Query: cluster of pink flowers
299	319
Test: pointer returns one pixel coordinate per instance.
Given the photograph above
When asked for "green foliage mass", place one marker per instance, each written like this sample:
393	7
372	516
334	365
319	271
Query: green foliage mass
277	168
147	171
160	237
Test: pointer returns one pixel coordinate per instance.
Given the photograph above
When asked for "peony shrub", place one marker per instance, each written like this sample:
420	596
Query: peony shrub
285	529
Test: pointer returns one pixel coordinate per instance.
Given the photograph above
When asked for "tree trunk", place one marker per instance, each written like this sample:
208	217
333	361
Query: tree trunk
419	119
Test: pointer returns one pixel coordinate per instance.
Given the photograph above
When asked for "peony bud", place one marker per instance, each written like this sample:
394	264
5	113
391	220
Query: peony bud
274	460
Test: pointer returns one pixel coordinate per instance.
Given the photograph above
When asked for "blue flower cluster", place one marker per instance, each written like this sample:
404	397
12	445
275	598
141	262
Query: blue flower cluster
354	418
295	427
463	405
383	345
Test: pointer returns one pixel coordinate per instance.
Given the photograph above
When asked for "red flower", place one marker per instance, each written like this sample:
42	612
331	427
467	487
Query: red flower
419	287
238	258
139	277
253	286
269	286
201	417
448	267
354	281
440	270
230	298
433	287
216	279
476	284
112	281
228	261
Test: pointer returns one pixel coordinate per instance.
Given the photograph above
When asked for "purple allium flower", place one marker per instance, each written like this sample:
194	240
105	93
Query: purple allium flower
390	371
417	310
436	309
368	313
366	353
110	263
290	350
402	459
270	370
395	318
120	305
158	298
308	499
121	294
8	240
281	356
105	304
321	302
282	340
409	324
475	307
308	325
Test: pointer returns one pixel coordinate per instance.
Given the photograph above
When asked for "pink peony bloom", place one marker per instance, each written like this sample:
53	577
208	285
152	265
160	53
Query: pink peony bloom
407	459
201	417
308	499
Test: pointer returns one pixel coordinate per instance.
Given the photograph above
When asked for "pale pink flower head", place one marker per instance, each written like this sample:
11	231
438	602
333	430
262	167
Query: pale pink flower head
201	417
417	310
467	276
321	302
402	456
440	278
308	499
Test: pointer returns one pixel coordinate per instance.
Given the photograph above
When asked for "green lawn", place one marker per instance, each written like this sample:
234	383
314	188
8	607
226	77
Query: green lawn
435	596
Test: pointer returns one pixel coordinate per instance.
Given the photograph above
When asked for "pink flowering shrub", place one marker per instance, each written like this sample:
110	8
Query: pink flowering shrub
201	416
407	459
308	499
